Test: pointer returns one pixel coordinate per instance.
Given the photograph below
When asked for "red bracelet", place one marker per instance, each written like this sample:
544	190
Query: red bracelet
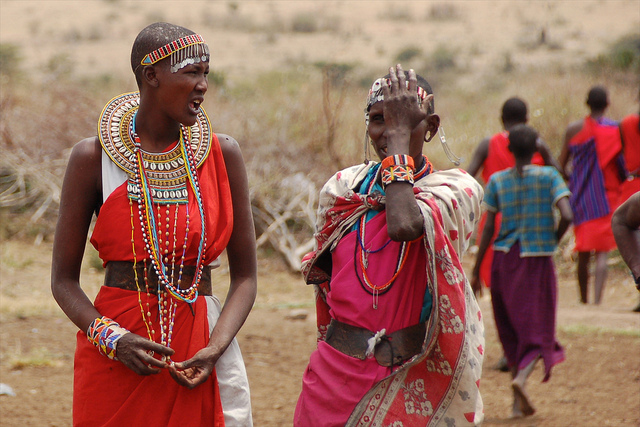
398	160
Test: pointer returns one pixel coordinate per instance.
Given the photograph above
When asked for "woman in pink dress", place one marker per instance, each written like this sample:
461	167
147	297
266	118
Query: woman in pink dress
400	333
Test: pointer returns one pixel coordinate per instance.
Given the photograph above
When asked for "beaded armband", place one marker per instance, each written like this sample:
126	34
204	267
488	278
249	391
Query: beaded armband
397	173
398	160
105	333
397	168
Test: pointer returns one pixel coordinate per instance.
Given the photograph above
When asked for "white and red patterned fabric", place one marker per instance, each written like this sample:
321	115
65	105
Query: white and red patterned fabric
440	385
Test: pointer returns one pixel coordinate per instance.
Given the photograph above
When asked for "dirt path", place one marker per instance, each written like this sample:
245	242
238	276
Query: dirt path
598	384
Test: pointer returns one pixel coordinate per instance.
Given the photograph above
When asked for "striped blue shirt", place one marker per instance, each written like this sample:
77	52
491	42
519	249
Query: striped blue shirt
526	203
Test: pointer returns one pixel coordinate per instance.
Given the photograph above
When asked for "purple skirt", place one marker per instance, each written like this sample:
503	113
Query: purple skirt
524	295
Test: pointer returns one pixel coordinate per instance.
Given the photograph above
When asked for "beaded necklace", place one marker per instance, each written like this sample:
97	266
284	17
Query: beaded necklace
150	229
168	292
424	170
160	179
366	282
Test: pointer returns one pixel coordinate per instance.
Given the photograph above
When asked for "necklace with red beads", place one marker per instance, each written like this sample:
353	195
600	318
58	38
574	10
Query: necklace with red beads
159	183
164	265
362	260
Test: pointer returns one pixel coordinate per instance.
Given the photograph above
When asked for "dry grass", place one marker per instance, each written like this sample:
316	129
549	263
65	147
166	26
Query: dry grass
302	119
38	357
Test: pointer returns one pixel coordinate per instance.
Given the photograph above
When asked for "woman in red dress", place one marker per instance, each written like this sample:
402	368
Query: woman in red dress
155	347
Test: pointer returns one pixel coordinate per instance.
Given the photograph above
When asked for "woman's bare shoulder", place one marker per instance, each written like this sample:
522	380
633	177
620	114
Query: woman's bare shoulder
89	149
227	142
84	169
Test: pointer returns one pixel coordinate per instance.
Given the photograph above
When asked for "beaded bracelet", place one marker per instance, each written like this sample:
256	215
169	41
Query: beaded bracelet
397	173
398	159
105	333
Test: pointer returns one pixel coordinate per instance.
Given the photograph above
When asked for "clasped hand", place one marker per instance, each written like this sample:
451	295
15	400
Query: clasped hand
141	356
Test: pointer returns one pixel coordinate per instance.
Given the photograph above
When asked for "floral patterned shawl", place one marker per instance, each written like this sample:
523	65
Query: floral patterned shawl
439	386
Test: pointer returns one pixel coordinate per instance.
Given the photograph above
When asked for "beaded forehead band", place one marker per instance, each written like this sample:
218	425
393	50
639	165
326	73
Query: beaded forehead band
191	49
376	94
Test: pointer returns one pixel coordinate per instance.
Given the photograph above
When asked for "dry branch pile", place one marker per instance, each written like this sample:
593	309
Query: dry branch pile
287	221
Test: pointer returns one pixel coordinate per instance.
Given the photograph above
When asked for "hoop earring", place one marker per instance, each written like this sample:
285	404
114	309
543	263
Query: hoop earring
447	150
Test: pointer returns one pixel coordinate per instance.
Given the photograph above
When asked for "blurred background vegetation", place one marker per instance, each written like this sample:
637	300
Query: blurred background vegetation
296	124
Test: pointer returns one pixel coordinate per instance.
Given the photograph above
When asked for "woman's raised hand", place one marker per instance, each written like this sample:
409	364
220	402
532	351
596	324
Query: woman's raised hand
402	112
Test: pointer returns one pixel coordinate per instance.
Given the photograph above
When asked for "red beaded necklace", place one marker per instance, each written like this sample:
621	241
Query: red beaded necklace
366	282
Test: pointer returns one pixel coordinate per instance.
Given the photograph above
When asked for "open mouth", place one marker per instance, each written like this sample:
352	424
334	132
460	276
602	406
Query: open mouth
195	105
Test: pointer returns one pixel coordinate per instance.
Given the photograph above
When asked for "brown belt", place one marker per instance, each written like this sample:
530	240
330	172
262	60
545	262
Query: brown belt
393	349
119	274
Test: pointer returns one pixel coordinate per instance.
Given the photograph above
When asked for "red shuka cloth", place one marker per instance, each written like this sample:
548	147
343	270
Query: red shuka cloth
631	149
596	234
500	158
105	391
112	233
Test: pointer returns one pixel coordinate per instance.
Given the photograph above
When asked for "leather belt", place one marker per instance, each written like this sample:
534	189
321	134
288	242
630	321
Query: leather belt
391	350
119	274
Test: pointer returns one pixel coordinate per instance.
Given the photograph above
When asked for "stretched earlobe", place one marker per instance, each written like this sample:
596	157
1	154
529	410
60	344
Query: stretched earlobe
433	123
428	136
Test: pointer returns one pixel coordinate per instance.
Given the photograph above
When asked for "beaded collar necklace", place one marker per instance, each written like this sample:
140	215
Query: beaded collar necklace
160	180
166	172
148	223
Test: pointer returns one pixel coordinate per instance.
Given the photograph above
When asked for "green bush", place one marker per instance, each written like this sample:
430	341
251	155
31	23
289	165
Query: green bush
442	59
304	23
624	55
9	59
407	54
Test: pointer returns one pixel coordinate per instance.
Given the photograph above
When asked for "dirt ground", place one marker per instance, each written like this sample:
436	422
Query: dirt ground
597	385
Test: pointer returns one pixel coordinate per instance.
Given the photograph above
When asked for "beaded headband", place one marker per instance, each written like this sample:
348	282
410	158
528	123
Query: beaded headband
376	94
191	49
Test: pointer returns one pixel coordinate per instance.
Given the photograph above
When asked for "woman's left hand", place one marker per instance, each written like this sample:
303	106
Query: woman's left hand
193	372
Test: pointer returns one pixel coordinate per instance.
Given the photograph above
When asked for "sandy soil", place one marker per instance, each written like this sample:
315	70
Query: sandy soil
597	385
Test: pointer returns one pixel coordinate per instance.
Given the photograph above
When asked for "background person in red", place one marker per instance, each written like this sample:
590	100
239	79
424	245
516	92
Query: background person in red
492	155
593	145
630	136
